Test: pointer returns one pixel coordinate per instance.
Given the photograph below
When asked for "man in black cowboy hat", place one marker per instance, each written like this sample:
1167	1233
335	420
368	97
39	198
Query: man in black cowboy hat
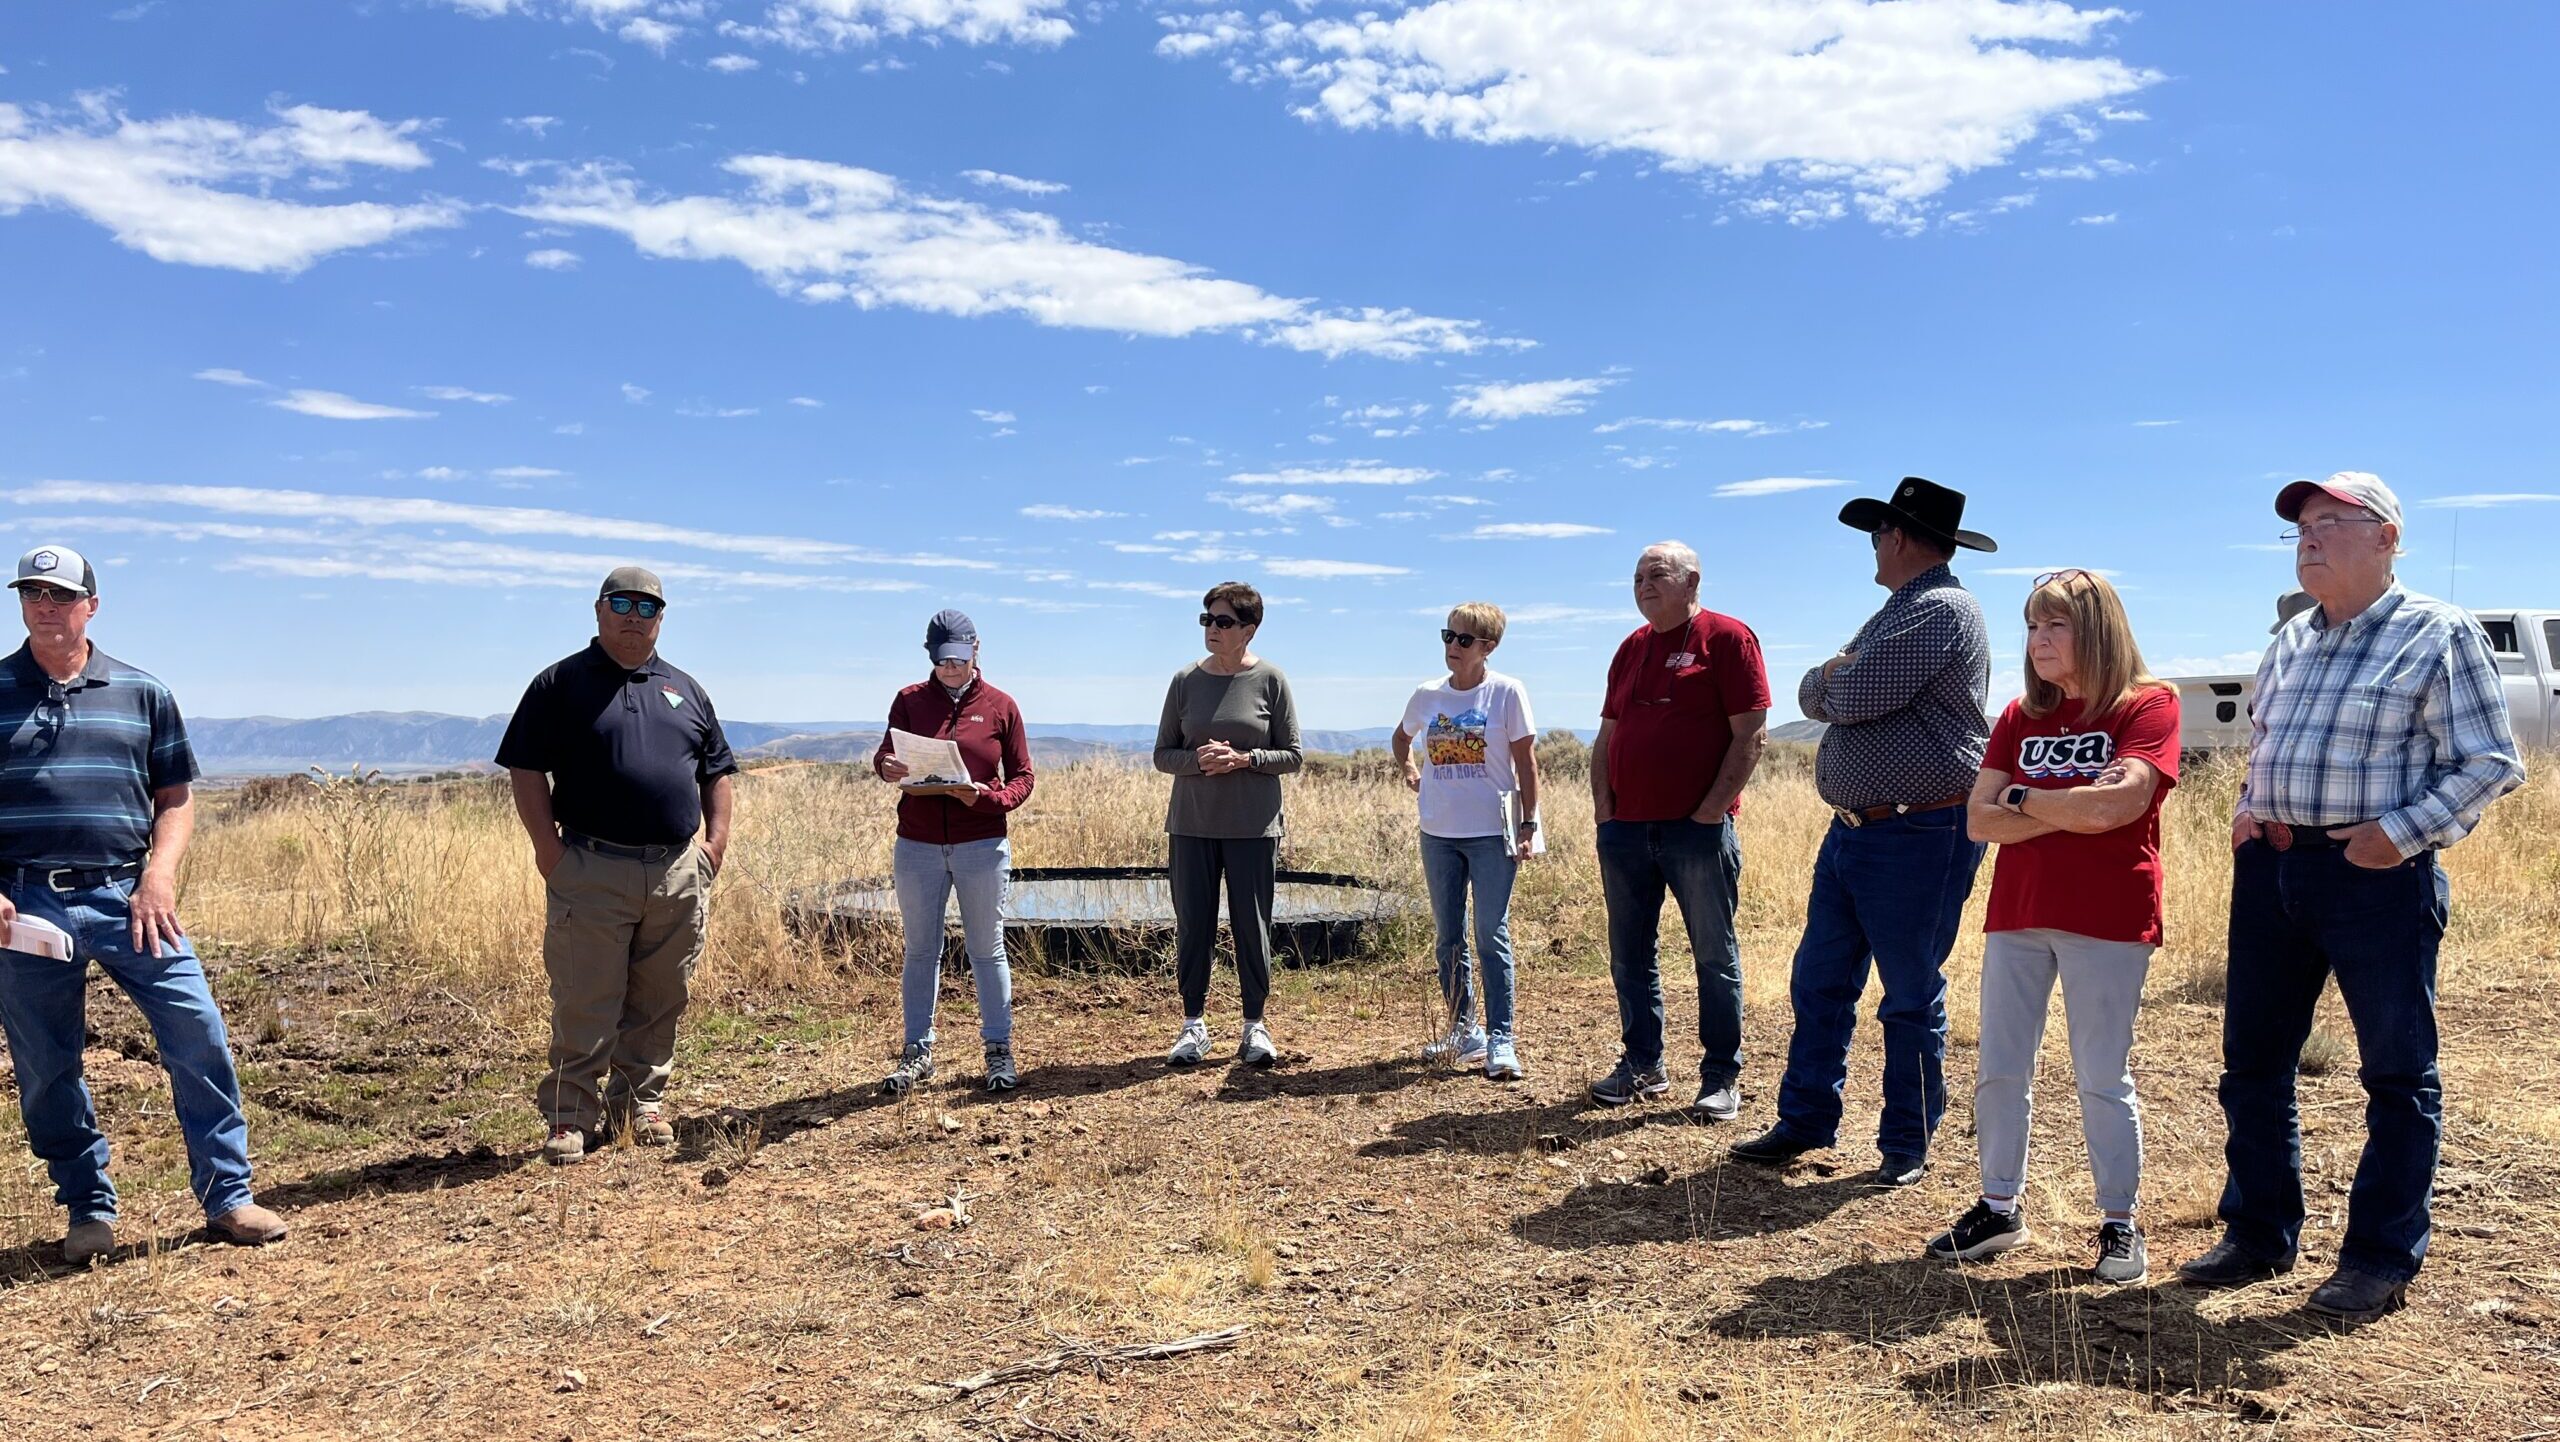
1904	705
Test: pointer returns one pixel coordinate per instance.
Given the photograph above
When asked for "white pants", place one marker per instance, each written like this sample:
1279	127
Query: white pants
2101	995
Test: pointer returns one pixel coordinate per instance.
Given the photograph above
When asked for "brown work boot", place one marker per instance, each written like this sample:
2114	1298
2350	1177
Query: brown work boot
249	1226
649	1125
89	1241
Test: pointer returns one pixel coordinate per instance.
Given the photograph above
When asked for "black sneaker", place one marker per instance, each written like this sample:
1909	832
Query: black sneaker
1625	1084
1896	1171
1983	1231
2122	1256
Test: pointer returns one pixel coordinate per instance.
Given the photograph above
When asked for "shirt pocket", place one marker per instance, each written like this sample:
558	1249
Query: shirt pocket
2375	721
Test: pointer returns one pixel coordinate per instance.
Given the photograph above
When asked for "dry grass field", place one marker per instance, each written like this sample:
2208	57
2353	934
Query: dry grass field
1412	1253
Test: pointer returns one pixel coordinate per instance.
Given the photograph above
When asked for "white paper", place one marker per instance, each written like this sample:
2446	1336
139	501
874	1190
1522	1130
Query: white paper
930	760
39	937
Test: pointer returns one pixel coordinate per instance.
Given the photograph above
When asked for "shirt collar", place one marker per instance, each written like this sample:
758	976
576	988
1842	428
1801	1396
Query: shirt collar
2373	615
1928	580
94	673
598	656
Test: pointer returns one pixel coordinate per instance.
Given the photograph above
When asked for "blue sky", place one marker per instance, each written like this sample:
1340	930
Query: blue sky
355	341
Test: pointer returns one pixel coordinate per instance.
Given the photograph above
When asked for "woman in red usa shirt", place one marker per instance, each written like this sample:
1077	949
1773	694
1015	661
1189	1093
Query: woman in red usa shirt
2071	787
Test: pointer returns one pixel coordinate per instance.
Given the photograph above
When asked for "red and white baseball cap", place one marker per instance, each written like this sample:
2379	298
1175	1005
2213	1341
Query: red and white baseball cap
2356	488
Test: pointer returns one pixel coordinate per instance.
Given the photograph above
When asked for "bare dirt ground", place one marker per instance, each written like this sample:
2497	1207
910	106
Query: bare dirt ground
1412	1252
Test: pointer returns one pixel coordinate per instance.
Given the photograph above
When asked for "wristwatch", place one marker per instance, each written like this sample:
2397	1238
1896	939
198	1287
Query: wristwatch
2015	798
1527	826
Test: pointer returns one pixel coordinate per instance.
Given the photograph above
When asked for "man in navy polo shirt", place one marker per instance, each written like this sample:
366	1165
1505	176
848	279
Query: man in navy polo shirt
95	812
617	760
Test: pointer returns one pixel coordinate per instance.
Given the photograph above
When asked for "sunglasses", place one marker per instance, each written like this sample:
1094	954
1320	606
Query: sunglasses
645	608
2064	576
48	595
1461	639
1223	623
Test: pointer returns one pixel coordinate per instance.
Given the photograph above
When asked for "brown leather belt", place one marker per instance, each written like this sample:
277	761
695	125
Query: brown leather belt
2304	838
1863	815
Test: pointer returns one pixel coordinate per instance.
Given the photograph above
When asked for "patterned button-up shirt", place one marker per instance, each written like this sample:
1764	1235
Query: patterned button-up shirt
1906	715
2397	715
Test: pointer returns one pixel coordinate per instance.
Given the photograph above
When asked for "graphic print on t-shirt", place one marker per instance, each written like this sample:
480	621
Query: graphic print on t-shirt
1456	744
2070	756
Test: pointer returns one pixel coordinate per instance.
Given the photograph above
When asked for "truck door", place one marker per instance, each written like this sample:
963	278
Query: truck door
2550	685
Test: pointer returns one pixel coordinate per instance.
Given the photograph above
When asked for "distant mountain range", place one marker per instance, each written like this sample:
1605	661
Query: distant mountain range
412	741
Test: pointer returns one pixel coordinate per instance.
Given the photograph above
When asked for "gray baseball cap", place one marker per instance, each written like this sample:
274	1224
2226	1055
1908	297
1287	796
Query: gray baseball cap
2356	488
633	581
950	636
2290	605
56	566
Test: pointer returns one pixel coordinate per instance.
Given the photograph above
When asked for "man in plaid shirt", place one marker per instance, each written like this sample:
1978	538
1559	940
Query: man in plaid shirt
2378	737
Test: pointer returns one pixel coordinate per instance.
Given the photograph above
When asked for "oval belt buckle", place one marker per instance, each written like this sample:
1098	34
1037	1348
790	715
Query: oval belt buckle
2279	835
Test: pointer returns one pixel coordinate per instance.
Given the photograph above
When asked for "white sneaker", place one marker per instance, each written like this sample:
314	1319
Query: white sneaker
1256	1048
1192	1047
1463	1046
1502	1059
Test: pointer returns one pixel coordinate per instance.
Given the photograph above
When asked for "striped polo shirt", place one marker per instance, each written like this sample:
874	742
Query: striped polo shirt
82	761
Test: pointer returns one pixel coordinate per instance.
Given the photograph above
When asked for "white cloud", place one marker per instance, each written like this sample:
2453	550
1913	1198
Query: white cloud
1774	486
994	418
1509	401
532	124
2486	501
733	64
1811	109
821	232
1287	506
1349	473
1146	588
440	473
570	428
226	376
553	258
1559	615
2107	219
1069	513
998	180
655	34
636	395
1536	531
526	473
808	403
2032	571
717	413
389	511
2154	423
814	25
331	406
156	185
458	393
1734	427
1329	570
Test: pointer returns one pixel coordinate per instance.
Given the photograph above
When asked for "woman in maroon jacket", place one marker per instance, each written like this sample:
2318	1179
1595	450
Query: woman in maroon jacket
952	838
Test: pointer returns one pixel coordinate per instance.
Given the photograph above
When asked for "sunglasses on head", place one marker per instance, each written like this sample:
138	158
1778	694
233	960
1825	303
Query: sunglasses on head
2065	576
645	608
1461	639
1223	623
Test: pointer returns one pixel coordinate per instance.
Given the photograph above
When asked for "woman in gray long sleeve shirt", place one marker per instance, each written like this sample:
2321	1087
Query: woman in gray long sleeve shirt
1228	734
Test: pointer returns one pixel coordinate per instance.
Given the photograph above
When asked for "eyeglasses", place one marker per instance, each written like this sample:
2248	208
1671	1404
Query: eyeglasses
1462	640
626	605
49	595
2066	576
2323	529
954	661
1223	623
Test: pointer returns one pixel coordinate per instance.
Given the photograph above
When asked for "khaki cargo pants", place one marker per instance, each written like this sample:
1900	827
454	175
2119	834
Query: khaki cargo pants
620	941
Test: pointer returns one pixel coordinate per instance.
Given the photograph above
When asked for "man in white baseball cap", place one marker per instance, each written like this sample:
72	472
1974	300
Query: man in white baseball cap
96	808
2378	738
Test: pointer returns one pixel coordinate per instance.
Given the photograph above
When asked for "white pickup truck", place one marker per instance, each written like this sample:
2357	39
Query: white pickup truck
2214	710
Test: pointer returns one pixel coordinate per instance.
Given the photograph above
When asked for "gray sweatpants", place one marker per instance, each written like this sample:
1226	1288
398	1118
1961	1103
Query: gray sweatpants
2101	995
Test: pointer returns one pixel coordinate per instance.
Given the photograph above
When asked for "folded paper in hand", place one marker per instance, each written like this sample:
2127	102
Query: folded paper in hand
38	937
932	762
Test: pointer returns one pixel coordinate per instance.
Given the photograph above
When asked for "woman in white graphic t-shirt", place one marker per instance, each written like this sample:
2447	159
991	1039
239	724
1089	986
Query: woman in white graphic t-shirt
1477	775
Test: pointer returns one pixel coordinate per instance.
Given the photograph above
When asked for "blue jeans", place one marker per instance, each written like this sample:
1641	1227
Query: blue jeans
1449	866
926	876
1701	866
1890	892
43	1005
2298	918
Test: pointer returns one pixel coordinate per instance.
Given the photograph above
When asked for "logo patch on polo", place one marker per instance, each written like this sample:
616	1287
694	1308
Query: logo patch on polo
674	697
2081	756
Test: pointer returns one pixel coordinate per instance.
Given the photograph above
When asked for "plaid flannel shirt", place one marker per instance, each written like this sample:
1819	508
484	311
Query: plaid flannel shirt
2396	716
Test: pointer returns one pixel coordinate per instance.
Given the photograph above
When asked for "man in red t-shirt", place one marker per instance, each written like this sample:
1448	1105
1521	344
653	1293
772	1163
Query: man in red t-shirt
1683	723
